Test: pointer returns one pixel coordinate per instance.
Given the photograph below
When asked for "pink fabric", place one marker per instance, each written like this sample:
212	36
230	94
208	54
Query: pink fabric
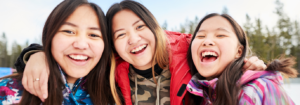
258	87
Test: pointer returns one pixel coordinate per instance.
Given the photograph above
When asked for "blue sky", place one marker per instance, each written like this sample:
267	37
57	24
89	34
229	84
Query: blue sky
23	20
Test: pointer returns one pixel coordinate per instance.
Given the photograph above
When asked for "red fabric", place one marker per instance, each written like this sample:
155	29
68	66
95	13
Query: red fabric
178	47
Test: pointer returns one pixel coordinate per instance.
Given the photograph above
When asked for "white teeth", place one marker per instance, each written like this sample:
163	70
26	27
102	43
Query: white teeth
209	53
138	48
78	57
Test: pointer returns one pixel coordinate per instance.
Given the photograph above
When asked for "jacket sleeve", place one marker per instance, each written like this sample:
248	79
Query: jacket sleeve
264	92
24	56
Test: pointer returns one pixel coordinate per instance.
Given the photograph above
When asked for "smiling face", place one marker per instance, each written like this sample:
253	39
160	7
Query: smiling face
133	40
78	45
214	47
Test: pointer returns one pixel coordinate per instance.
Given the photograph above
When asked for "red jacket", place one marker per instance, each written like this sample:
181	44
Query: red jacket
180	75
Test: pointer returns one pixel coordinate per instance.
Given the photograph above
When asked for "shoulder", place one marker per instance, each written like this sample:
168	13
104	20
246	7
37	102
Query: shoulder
175	37
10	91
264	90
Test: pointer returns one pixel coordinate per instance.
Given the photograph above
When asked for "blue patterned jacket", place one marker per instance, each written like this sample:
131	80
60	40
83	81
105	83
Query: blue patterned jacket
11	91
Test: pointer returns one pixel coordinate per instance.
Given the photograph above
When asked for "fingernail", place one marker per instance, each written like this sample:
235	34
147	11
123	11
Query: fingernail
44	96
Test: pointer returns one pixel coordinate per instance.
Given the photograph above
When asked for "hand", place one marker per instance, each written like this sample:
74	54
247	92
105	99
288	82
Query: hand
36	68
254	64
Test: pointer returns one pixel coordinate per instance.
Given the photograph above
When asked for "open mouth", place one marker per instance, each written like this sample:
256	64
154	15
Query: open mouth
209	56
78	57
139	49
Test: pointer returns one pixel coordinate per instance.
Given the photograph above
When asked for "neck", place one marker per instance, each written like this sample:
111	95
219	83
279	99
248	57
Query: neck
71	79
145	67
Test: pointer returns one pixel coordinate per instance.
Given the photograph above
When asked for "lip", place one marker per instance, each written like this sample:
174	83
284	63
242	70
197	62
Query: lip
78	62
207	50
139	52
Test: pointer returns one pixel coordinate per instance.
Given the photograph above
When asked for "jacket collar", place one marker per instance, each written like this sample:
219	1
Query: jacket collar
68	94
197	86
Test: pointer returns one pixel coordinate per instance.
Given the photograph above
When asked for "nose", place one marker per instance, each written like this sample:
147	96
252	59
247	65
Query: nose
134	38
208	42
81	42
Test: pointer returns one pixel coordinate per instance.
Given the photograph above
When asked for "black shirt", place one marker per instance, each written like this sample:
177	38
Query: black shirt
148	73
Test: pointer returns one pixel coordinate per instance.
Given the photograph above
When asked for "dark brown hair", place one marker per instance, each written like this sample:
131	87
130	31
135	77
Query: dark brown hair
161	53
97	79
226	89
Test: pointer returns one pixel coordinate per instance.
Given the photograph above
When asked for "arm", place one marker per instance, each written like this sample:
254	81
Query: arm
24	56
32	62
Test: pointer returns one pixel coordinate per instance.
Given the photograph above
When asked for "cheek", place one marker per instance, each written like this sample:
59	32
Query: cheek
98	48
120	46
58	45
150	37
228	48
195	46
194	50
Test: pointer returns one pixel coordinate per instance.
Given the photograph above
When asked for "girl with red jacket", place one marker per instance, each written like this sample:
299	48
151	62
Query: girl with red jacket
151	65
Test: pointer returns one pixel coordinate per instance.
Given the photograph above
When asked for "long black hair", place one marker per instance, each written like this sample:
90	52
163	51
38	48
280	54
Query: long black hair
227	90
97	79
161	51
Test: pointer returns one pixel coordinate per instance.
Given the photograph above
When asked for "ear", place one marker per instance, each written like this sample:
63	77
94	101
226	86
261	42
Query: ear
239	51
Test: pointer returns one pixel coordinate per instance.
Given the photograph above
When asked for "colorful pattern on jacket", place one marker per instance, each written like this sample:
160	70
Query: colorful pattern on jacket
11	92
145	92
258	88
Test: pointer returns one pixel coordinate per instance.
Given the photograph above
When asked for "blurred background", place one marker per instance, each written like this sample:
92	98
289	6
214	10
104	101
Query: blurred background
272	26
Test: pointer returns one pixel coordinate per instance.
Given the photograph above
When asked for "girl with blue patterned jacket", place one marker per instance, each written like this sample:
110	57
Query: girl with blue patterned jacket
77	51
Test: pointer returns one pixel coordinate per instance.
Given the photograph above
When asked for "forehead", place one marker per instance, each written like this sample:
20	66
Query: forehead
123	18
84	15
216	22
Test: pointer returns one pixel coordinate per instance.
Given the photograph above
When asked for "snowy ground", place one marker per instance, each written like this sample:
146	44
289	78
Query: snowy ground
293	90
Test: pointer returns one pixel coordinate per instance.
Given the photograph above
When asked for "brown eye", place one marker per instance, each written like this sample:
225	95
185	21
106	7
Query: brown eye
140	26
69	32
220	35
94	35
120	35
200	36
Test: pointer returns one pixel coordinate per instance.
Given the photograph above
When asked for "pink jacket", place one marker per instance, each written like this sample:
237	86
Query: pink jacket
258	88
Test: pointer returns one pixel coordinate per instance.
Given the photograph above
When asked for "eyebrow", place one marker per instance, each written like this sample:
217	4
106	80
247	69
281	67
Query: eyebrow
70	24
201	30
95	28
136	22
222	29
218	29
123	28
73	25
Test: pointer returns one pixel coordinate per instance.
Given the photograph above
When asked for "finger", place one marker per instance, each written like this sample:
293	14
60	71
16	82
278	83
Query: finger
260	65
253	59
36	86
248	63
245	60
30	85
264	66
44	85
251	63
257	66
24	82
